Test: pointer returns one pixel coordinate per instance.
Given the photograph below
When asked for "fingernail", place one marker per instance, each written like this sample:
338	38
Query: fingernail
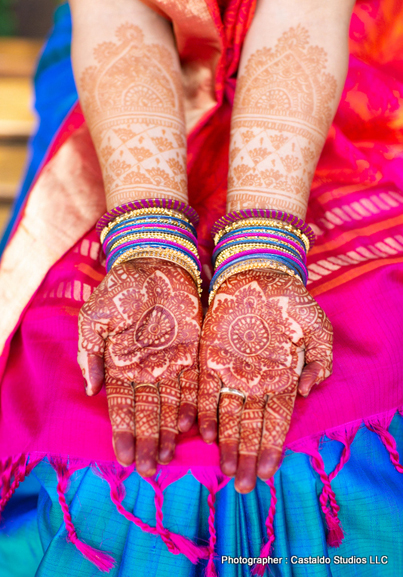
124	448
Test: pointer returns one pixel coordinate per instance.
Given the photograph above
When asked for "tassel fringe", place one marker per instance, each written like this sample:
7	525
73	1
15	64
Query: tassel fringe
266	549
15	469
175	543
335	534
102	560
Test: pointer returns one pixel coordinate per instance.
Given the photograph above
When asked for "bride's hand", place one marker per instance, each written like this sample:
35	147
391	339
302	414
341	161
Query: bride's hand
142	326
265	336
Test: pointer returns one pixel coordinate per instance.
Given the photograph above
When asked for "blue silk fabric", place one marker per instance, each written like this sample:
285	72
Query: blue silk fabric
369	490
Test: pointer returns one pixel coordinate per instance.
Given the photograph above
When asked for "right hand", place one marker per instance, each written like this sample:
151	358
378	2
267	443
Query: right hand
142	325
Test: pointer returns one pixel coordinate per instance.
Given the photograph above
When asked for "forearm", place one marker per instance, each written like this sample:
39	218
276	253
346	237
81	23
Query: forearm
128	78
292	72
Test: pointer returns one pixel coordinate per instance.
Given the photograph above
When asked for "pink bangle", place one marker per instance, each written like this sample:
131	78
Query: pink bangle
168	203
282	239
163	227
264	213
133	243
262	251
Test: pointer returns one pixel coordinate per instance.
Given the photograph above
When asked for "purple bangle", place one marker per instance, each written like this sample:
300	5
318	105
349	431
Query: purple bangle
264	213
262	251
296	246
168	203
132	244
164	227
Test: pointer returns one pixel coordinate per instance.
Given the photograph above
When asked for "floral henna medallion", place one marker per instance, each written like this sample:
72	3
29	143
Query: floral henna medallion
129	85
255	336
143	325
282	113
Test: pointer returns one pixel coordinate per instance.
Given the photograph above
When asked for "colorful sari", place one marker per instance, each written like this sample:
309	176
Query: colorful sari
338	493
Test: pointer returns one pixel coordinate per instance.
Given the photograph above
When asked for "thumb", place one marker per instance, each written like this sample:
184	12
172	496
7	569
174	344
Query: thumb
309	377
318	355
91	347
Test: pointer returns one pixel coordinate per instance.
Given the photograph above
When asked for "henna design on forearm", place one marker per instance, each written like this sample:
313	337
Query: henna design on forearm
282	112
133	101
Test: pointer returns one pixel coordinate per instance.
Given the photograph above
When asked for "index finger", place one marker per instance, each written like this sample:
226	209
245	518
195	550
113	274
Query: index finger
120	398
277	419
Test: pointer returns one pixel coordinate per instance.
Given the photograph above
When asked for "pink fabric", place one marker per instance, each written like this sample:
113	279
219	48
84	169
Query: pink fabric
356	269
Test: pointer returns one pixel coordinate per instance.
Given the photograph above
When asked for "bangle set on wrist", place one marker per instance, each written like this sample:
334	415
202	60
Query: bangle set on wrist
252	239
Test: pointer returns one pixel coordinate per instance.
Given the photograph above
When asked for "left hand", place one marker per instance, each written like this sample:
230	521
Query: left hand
264	335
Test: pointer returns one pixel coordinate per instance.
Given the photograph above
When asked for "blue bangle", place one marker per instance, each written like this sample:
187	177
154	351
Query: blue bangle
254	241
282	260
109	244
256	230
150	245
158	218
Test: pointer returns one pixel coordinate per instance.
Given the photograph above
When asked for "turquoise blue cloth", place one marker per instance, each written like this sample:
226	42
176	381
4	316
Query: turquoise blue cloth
368	489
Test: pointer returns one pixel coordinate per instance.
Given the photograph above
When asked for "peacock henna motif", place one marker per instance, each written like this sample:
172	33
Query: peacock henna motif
260	330
142	326
133	102
282	112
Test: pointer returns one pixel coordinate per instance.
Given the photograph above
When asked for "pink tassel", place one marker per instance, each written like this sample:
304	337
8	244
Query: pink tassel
210	569
21	470
266	549
175	543
388	441
345	436
102	560
214	481
335	535
8	468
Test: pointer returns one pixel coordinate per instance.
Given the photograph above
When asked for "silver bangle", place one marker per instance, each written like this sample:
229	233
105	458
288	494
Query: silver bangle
233	392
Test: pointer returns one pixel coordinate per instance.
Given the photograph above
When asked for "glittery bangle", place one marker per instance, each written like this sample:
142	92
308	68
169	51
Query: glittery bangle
152	237
169	255
146	204
153	212
262	233
257	264
262	251
145	223
113	255
263	223
265	213
280	258
264	240
252	247
115	235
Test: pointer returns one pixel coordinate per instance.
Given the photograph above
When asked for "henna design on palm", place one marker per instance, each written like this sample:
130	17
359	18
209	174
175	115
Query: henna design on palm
142	325
266	336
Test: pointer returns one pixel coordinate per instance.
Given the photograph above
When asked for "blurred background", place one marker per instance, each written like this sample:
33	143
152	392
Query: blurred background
24	25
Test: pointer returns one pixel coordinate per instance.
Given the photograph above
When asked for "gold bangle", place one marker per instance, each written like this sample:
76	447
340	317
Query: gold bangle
263	222
152	221
170	255
250	265
260	237
140	212
161	236
241	247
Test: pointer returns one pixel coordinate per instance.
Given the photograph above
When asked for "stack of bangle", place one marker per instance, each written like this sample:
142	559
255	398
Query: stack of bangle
260	239
147	229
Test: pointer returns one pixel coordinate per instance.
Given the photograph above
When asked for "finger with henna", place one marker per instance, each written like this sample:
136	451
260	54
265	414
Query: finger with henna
120	398
251	431
230	410
147	403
